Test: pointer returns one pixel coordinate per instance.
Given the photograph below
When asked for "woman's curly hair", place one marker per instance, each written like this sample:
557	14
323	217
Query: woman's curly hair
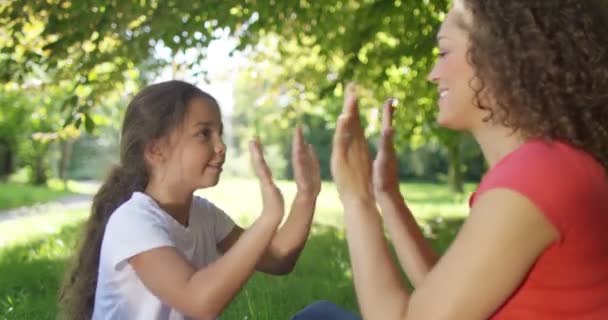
546	65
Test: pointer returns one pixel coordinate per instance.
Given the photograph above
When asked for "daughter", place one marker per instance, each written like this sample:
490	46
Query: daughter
151	249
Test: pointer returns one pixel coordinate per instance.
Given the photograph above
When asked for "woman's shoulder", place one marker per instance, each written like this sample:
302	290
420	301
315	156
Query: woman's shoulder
551	170
555	176
546	161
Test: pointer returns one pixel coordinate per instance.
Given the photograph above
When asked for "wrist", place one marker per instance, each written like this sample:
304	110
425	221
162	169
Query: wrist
269	222
306	195
390	194
358	201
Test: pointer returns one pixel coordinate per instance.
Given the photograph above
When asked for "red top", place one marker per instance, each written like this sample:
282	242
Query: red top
570	278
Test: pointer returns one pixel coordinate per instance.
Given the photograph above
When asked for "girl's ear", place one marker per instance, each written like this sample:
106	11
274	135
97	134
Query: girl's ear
155	152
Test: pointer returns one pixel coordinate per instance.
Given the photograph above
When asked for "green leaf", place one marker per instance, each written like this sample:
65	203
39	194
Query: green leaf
89	123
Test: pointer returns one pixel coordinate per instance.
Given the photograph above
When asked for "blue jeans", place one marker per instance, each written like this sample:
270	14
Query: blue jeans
325	310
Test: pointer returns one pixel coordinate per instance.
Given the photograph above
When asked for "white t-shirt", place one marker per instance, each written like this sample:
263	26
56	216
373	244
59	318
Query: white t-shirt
140	225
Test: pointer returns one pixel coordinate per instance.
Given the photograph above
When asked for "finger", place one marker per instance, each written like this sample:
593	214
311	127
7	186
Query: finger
298	141
299	136
259	163
350	101
387	113
311	151
313	157
386	140
341	135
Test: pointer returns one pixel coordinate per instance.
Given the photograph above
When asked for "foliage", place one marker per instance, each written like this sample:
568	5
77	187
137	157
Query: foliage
311	47
385	45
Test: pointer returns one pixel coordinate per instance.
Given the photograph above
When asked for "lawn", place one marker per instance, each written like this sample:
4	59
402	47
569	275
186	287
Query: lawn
34	254
14	195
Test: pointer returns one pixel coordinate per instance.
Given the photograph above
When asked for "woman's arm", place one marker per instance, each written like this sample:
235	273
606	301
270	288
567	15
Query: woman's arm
381	292
491	255
487	261
414	252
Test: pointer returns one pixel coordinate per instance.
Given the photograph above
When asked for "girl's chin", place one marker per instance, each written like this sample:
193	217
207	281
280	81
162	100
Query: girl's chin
208	182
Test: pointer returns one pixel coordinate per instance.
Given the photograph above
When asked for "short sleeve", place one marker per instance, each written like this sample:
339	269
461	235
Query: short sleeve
130	233
536	191
222	223
546	176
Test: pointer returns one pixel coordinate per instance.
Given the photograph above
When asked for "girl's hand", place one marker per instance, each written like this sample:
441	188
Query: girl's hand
272	199
306	169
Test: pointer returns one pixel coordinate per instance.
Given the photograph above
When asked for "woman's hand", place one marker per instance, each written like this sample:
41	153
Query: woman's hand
385	170
350	160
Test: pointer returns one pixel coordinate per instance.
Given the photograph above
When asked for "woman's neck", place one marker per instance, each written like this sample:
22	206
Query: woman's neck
496	142
174	201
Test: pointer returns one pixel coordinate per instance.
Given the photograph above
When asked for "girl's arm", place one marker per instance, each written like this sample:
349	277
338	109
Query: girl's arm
285	247
204	293
282	254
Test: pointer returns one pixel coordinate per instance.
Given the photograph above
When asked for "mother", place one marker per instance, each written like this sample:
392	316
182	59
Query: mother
528	79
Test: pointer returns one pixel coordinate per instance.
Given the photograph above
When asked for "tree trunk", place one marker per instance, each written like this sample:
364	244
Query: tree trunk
6	161
40	163
455	168
40	176
64	160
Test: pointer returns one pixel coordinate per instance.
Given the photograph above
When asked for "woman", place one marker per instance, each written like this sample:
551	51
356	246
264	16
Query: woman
528	80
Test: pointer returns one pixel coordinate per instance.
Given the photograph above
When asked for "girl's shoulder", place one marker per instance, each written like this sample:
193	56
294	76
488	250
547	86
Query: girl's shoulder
138	209
203	206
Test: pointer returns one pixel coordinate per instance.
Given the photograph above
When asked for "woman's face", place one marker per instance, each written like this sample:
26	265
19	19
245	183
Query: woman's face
454	75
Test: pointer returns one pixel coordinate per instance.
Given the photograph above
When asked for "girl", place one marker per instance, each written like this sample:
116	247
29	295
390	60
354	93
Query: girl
151	250
528	80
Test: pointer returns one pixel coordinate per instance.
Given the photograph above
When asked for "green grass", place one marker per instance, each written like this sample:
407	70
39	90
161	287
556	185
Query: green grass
13	195
34	253
31	273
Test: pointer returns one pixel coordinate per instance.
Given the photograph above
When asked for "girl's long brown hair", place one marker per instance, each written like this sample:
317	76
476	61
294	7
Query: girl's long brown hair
152	114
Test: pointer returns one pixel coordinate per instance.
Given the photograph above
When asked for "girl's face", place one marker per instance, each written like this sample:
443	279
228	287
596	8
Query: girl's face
455	76
195	154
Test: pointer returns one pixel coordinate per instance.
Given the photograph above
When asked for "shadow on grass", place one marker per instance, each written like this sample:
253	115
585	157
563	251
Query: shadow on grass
323	272
441	231
14	195
30	275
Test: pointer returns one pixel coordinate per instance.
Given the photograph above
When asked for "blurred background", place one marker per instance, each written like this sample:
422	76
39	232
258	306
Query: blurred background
69	68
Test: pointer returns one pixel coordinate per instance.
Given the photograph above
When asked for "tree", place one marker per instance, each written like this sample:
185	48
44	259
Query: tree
386	46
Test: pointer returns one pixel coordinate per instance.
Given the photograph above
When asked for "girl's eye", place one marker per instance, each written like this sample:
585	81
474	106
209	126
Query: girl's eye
442	54
205	133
